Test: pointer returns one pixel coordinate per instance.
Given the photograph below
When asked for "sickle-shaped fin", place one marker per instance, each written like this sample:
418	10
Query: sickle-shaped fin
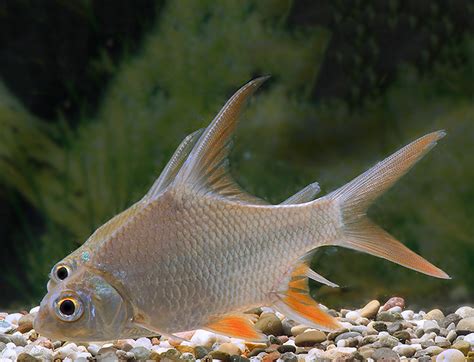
206	170
174	164
295	302
305	195
355	197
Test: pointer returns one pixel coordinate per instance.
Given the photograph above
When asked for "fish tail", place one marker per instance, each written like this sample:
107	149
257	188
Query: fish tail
354	198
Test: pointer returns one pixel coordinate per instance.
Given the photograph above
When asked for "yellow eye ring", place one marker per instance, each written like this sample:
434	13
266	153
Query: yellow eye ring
68	308
61	272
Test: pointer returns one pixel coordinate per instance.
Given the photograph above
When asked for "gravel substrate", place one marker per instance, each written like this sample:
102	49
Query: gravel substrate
375	333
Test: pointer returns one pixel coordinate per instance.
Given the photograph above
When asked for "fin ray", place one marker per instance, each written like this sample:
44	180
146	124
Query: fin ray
237	326
305	195
206	169
174	164
355	197
296	303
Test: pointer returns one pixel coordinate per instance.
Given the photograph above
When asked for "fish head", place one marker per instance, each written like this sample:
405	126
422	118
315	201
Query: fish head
82	307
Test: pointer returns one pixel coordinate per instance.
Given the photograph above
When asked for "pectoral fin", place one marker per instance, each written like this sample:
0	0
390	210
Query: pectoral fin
238	326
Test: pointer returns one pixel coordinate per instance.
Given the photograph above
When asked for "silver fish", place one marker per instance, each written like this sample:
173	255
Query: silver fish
196	251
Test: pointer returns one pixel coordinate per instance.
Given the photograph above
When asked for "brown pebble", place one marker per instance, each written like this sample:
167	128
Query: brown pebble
394	302
370	310
272	356
309	338
25	324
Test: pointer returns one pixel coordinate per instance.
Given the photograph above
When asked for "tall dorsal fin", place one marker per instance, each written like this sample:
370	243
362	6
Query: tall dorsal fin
206	169
305	195
174	164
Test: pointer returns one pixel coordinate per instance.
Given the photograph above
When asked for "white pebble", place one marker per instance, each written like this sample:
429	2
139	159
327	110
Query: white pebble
451	355
469	338
13	318
9	354
315	353
159	349
353	315
204	338
428	324
465	312
34	310
143	342
5	326
408	314
396	309
93	348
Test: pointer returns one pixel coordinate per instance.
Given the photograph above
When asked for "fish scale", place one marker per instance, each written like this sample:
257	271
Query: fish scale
197	250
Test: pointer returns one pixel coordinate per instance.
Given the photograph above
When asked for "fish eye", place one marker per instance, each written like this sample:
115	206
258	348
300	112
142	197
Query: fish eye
68	309
61	272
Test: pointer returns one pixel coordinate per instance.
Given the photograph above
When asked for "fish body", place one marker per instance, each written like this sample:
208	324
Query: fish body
197	250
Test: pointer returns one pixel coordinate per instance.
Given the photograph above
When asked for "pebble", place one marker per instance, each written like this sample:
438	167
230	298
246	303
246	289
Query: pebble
25	357
451	336
286	348
289	357
450	355
269	323
465	312
435	314
300	328
346	335
405	350
140	352
230	349
203	338
465	326
200	352
389	316
431	326
353	315
470	338
5	326
462	346
13	318
407	314
402	336
25	323
450	318
394	302
385	354
310	338
387	341
395	334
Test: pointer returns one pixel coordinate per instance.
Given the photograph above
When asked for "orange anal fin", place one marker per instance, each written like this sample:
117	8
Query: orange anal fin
296	303
301	307
238	326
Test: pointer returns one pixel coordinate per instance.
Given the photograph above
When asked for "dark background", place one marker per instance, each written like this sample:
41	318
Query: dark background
95	96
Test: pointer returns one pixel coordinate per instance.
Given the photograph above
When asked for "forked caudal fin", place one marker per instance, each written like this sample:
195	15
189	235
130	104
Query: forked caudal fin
355	197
